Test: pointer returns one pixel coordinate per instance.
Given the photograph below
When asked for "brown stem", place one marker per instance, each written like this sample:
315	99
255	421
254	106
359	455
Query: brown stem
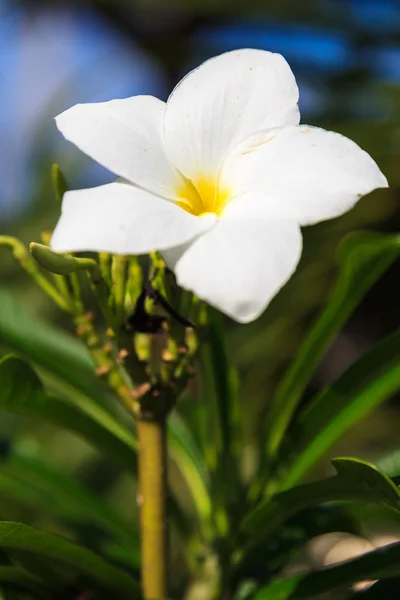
152	499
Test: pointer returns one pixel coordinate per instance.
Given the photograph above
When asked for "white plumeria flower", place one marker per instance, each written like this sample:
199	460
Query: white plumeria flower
219	179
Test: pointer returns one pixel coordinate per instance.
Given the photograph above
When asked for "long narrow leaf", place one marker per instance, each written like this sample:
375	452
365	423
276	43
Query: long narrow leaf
47	346
15	578
17	536
378	564
21	392
366	384
222	422
188	458
63	357
60	494
355	480
363	258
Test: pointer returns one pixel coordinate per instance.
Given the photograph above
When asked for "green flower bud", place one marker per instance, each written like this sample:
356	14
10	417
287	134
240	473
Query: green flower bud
59	182
61	264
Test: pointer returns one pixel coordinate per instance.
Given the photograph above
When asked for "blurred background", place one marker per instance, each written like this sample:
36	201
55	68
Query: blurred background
346	58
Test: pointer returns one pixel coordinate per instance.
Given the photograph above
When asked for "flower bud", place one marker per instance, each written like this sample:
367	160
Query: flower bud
61	264
59	182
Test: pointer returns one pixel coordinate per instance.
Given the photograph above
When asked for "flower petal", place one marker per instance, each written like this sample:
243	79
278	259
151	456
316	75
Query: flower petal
307	173
122	219
239	265
223	101
126	137
254	205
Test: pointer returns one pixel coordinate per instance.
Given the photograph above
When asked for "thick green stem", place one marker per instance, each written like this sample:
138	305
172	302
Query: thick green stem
152	500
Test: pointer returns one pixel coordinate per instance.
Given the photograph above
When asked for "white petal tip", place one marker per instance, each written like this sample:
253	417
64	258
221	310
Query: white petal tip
62	118
247	317
377	181
383	183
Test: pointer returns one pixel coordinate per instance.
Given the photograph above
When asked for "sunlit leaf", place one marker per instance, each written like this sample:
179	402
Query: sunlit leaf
363	258
390	463
222	422
187	456
378	564
270	555
355	480
47	346
63	357
366	384
21	392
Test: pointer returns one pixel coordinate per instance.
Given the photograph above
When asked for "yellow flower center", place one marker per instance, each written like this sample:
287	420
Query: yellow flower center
202	197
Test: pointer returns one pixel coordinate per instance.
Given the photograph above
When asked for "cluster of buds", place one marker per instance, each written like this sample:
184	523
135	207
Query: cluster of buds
143	339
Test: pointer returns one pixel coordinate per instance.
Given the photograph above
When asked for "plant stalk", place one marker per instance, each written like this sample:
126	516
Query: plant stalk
152	500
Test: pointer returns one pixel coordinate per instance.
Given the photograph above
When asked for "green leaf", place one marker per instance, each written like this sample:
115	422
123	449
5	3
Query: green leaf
187	456
31	479
59	182
51	348
366	384
21	392
372	483
267	558
363	258
61	355
355	480
19	579
67	359
221	417
390	463
55	575
222	386
16	536
378	564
